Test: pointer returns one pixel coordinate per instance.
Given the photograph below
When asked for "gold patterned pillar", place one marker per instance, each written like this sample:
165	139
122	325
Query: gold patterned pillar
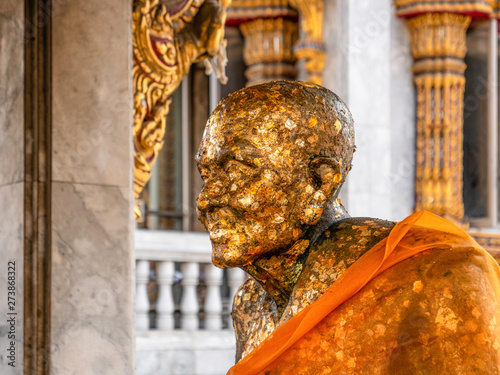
438	44
268	49
270	30
311	47
262	20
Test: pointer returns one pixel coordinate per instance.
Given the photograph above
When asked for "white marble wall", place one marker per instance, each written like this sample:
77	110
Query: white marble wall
92	257
11	173
369	66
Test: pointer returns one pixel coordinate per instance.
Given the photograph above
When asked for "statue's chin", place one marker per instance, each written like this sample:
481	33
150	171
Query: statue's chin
223	258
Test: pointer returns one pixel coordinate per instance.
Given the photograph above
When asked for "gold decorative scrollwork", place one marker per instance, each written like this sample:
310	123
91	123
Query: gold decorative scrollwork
167	38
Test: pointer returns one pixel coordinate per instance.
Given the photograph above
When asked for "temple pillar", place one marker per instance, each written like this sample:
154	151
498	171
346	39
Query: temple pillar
11	185
66	194
268	50
438	43
272	43
438	47
91	259
270	31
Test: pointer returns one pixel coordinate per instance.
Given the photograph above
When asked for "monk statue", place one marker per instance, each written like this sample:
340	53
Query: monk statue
331	294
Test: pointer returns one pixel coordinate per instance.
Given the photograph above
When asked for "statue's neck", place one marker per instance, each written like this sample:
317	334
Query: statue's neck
279	273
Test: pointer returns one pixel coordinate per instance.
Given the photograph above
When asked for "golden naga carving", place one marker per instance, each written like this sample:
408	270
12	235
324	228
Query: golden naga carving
168	36
438	47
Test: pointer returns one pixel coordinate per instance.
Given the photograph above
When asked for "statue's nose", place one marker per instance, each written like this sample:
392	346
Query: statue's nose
213	194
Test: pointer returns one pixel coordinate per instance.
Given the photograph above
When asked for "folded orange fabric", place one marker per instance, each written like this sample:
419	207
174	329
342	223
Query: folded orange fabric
388	252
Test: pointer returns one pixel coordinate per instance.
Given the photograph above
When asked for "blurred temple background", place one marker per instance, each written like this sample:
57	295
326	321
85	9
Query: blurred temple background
103	105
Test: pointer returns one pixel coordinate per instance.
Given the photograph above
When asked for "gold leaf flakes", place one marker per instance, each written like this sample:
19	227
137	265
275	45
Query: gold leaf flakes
418	286
337	126
447	293
313	121
351	363
471	326
290	124
476	313
379	330
446	317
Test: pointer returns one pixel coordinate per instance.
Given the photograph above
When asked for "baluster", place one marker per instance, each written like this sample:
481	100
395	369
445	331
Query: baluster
189	303
213	300
141	298
235	278
165	304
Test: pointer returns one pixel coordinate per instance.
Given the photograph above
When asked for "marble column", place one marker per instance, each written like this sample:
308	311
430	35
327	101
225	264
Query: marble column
92	202
66	197
11	180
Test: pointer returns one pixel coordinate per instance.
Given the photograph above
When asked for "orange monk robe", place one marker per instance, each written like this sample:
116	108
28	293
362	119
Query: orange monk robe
436	313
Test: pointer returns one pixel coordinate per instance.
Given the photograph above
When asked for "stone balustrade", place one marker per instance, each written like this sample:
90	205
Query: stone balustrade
183	305
164	255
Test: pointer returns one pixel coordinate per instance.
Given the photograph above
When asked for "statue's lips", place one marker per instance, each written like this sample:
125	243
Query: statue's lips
217	229
223	227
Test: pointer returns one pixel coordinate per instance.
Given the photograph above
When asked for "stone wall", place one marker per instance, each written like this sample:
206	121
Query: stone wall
66	198
11	176
92	257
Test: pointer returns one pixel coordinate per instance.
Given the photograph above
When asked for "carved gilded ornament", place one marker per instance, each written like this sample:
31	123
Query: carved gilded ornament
438	47
167	37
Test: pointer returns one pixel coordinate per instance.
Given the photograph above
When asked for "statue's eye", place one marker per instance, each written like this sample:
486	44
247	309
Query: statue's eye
236	169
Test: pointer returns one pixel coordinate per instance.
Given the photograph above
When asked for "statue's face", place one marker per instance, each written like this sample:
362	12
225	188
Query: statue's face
255	186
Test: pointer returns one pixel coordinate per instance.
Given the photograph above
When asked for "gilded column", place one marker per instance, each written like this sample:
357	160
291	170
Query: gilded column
272	43
268	49
438	47
311	47
270	30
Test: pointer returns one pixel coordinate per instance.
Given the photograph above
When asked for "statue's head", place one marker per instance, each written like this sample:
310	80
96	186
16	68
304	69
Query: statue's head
273	157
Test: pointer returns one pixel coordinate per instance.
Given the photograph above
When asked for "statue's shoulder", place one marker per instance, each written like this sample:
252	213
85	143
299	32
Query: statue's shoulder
359	227
346	240
339	246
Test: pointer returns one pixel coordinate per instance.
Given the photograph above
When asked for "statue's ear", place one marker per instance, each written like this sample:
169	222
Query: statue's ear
324	181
